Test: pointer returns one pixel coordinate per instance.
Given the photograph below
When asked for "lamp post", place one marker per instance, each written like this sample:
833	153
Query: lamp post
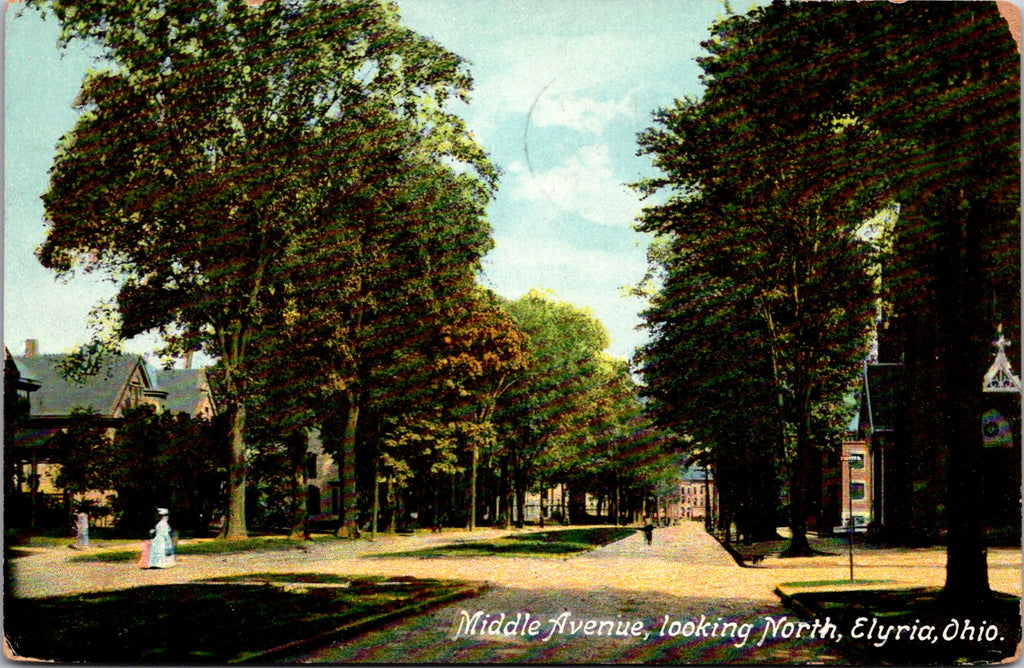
708	523
849	497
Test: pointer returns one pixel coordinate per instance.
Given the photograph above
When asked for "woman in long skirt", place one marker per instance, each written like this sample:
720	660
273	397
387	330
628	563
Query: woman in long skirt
161	547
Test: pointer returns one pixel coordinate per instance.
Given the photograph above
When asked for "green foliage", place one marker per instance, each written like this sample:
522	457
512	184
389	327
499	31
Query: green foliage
768	290
816	117
151	460
573	415
254	175
82	450
541	411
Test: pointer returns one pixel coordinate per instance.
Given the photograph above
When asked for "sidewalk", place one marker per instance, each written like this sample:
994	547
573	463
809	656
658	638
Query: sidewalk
677	542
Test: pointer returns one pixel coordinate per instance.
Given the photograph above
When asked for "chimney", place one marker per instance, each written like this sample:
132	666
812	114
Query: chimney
31	347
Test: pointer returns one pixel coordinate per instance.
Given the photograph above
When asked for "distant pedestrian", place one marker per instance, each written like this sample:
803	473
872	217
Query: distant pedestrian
161	544
648	530
81	528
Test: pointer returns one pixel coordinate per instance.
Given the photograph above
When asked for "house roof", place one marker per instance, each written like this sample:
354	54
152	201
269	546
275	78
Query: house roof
883	386
186	389
13	378
59	396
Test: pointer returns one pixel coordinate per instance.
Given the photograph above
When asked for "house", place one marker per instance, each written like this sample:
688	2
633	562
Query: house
17	396
857	485
697	498
54	402
1001	449
871	447
323	484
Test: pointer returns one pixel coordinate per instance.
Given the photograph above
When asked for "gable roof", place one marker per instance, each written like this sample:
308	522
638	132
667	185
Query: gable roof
186	390
102	392
13	380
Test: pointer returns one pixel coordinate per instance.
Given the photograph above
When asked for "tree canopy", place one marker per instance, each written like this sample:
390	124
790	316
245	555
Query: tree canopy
223	152
815	117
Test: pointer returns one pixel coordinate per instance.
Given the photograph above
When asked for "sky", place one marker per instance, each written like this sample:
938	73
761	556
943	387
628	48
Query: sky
562	87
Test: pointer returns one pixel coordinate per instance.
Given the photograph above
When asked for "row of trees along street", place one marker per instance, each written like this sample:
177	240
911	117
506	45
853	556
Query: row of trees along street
284	186
295	197
840	167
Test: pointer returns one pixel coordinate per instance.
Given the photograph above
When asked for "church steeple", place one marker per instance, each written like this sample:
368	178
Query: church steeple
1000	376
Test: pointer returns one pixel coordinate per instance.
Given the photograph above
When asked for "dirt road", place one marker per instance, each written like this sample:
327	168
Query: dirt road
681	600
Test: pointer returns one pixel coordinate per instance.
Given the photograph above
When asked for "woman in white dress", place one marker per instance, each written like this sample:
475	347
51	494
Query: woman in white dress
161	547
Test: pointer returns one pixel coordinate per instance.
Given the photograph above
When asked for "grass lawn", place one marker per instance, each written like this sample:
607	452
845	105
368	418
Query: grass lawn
535	544
213	621
211	546
985	634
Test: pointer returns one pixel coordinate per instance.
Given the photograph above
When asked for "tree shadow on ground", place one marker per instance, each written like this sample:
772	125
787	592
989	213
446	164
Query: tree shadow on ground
931	630
211	621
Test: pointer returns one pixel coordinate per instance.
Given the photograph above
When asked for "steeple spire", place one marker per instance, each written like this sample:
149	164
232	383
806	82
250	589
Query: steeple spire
1000	376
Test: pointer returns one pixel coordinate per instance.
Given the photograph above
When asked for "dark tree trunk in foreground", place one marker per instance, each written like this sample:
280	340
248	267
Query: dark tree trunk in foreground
963	325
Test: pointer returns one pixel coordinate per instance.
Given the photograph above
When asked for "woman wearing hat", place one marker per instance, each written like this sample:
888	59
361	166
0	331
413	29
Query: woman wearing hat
161	547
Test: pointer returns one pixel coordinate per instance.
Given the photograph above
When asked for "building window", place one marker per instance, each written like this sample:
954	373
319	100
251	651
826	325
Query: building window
857	460
857	490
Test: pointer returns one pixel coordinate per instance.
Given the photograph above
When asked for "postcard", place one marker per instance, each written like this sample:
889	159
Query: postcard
469	332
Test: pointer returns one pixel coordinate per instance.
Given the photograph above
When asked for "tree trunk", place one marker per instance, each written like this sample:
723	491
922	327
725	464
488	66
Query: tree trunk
520	491
543	494
507	493
376	498
300	517
616	501
520	507
472	485
961	293
235	529
347	526
708	525
389	496
798	545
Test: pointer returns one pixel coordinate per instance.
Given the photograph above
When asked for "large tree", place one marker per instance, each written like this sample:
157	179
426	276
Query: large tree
211	148
372	289
872	110
755	235
949	129
542	414
940	137
480	354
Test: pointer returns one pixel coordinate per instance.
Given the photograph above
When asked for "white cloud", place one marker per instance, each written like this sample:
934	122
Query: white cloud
555	71
580	113
584	185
